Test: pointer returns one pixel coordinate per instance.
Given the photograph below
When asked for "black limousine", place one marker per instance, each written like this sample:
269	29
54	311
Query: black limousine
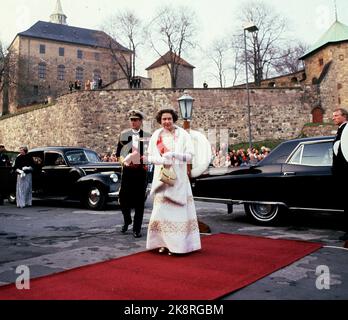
296	175
68	173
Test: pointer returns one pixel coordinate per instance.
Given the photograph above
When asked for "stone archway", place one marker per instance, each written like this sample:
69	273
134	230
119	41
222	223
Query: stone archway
317	115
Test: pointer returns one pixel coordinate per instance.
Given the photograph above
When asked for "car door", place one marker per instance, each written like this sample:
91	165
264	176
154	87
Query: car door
38	182
55	174
307	178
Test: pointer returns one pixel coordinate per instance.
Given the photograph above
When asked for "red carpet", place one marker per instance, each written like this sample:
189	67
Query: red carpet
226	263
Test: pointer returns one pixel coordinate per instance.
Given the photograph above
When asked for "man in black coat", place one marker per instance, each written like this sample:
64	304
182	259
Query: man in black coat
130	152
340	160
4	159
4	162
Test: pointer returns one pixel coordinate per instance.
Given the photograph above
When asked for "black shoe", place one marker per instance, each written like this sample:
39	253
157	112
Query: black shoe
137	234
344	237
124	228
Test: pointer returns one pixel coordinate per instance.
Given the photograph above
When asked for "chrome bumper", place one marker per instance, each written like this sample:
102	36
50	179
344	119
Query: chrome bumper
114	194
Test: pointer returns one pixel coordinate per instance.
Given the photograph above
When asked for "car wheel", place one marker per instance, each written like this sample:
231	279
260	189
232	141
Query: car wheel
12	198
95	198
265	214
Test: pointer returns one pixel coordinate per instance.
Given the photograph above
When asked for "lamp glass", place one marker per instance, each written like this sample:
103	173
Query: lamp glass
185	104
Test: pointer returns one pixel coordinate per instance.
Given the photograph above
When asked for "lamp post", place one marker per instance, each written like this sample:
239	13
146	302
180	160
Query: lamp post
186	108
250	27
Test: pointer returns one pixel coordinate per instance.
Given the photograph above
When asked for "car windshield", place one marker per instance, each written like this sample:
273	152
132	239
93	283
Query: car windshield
82	156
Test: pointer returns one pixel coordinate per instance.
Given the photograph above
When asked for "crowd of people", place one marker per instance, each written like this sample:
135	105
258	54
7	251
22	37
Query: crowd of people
240	157
221	158
89	85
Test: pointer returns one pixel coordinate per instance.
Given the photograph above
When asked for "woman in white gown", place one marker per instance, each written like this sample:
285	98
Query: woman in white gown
173	224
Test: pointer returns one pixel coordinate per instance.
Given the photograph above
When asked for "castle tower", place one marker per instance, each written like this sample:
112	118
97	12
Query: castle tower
58	15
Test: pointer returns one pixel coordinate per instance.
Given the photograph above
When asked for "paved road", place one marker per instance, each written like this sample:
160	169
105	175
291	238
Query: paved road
54	236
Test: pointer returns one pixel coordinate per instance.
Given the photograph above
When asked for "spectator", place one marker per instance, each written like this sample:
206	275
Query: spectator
100	83
88	85
71	86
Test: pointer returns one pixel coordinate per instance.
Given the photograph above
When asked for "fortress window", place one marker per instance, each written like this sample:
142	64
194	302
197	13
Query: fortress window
42	70
271	84
61	52
79	73
61	72
79	54
321	61
96	74
42	49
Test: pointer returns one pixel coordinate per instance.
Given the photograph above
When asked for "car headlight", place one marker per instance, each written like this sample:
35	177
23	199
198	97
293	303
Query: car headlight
114	177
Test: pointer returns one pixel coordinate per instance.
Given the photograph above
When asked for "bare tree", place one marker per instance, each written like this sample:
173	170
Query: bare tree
3	63
6	77
14	78
262	45
218	54
288	61
174	30
124	27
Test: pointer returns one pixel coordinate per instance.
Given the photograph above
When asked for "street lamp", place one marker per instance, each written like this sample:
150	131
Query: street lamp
186	106
250	27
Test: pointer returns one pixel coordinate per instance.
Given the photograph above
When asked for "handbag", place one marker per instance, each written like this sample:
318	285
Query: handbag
167	176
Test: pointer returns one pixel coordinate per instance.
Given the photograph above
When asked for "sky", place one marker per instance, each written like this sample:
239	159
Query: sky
307	19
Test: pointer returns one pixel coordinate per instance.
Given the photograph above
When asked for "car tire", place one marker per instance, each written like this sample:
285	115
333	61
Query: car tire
95	197
264	214
12	198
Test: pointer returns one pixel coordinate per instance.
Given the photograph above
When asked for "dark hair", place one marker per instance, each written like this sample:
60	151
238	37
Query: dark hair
171	111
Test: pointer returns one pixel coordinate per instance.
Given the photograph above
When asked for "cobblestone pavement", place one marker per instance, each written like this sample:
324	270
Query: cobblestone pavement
54	236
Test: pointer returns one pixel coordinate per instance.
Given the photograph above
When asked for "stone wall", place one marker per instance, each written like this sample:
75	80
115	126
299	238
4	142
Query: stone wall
95	118
320	130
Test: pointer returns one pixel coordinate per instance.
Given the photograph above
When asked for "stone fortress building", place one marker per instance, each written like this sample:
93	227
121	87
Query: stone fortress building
47	56
280	108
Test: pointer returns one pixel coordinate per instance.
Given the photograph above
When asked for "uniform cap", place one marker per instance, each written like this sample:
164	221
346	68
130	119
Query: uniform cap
136	114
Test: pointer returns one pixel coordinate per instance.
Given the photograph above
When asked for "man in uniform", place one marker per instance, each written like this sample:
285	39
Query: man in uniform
340	161
130	153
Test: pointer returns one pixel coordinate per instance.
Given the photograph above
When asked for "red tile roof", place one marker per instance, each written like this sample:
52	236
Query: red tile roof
167	58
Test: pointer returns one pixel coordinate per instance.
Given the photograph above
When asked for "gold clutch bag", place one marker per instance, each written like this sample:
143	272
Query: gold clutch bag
167	176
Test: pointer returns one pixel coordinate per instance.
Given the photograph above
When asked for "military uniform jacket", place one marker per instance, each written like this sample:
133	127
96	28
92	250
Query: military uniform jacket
134	177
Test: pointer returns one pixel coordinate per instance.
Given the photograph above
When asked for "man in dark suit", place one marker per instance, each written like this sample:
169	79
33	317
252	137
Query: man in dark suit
4	162
340	160
130	152
4	159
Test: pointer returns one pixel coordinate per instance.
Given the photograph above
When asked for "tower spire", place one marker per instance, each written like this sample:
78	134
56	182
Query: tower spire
58	15
336	16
